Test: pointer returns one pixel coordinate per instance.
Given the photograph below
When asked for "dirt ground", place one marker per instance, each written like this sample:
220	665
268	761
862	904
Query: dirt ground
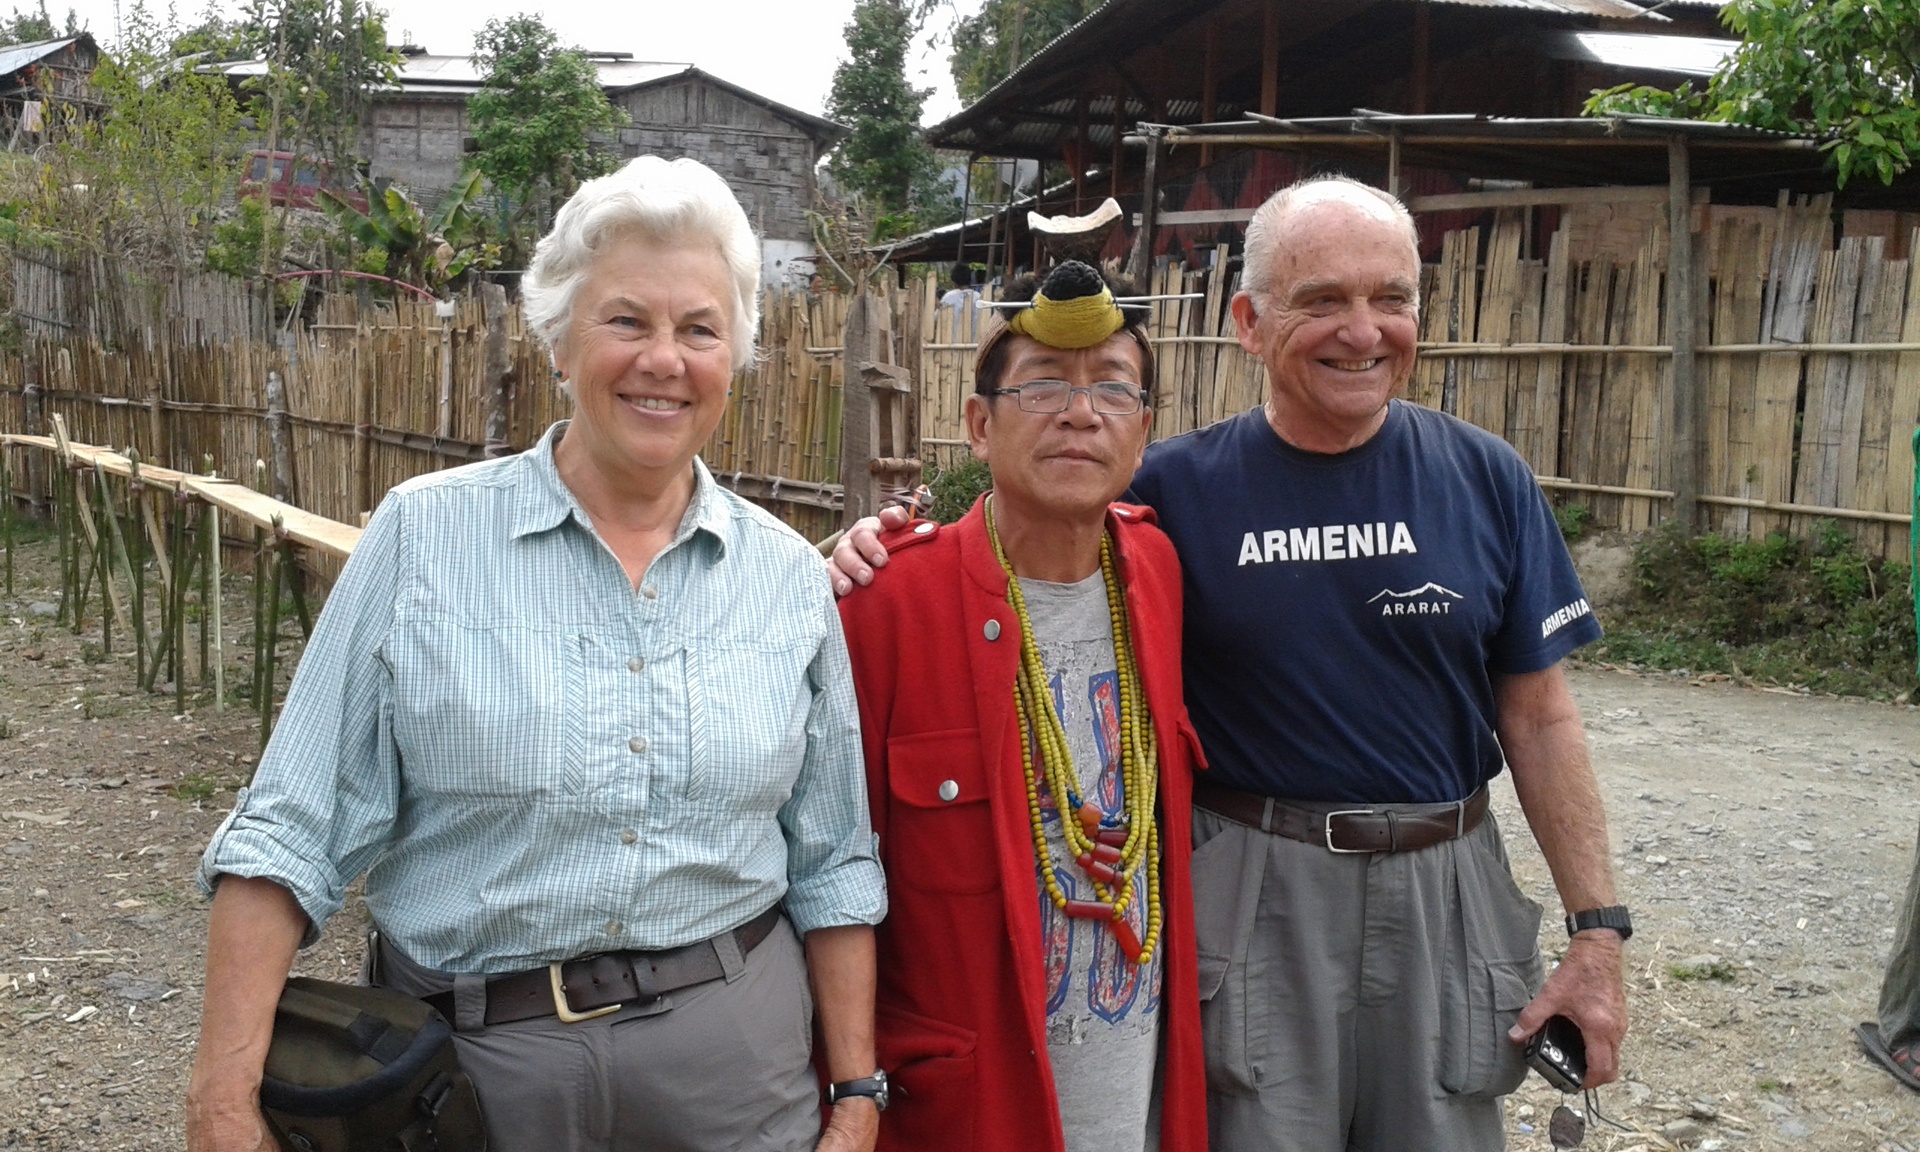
1763	838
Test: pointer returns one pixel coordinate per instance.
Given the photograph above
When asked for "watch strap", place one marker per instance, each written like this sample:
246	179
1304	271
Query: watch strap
874	1087
1614	916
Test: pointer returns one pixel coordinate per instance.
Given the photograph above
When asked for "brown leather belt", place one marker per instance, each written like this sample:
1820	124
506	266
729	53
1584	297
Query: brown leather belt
1389	828
576	990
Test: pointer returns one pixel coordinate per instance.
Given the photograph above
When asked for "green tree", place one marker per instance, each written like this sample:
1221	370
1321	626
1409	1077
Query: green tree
27	27
1004	34
325	59
885	160
535	118
147	174
1843	69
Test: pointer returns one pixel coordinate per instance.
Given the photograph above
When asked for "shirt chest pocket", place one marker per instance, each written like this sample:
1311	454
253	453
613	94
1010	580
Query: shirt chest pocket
939	820
488	711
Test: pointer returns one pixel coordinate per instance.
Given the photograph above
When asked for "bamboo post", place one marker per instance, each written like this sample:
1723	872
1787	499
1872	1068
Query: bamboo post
103	555
6	511
1683	399
259	595
177	616
493	301
63	530
280	438
31	395
212	610
137	567
271	641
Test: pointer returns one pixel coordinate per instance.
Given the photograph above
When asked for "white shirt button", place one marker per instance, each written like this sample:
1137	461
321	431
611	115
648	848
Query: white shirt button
629	836
992	630
650	592
923	529
614	927
635	664
637	744
949	790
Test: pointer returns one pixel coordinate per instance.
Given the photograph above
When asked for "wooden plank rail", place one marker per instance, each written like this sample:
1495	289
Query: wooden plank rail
252	508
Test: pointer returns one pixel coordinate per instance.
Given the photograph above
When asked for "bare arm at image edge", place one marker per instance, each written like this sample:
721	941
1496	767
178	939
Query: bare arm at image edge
251	940
1546	748
840	964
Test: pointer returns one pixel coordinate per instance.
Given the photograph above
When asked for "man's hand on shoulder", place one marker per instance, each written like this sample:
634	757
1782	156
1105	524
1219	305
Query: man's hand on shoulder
860	551
1588	989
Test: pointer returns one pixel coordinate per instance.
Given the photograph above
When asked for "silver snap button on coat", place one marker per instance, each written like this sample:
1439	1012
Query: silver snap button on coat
992	630
949	790
637	744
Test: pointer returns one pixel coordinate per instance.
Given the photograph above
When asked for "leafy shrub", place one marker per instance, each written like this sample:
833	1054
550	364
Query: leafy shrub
1818	613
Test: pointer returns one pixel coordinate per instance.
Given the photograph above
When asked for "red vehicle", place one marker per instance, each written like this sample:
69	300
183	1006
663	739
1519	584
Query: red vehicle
297	181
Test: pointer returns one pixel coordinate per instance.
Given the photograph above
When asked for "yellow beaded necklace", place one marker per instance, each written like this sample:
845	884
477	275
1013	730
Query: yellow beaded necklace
1109	853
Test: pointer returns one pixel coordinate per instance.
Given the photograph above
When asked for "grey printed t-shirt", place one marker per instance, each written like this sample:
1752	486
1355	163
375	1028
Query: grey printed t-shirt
1103	1010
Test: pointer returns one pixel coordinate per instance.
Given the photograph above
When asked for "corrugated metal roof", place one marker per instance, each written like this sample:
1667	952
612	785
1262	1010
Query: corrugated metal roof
17	56
457	74
1609	9
1681	55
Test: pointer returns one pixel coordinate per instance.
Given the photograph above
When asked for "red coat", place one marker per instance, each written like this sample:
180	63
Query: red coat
961	1015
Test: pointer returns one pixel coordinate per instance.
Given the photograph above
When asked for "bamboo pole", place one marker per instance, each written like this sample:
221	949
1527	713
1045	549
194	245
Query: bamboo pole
6	511
214	609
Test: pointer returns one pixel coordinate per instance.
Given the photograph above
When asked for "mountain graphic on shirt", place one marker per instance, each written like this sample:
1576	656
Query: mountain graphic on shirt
1429	586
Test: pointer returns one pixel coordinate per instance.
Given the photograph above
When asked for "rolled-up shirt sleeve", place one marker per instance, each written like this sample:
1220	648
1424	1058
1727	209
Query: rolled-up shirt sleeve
834	878
323	802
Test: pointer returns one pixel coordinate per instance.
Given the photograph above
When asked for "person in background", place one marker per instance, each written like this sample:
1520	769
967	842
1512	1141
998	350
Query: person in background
585	721
1028	762
962	294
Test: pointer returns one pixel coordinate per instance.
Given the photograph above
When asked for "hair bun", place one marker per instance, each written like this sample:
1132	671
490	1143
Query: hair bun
1070	280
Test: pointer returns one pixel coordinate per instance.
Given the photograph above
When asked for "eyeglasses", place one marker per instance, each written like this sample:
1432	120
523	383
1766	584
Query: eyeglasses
1109	397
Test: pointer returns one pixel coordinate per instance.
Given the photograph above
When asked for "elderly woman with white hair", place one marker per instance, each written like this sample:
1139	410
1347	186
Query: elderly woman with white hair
585	720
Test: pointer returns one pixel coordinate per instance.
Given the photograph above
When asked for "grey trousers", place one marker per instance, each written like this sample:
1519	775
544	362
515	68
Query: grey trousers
1359	1003
1900	990
720	1065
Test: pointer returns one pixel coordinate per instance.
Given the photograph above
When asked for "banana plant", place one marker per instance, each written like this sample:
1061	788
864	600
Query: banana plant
428	249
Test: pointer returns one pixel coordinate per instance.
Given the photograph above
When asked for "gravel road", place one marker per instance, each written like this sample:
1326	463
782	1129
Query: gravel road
1763	839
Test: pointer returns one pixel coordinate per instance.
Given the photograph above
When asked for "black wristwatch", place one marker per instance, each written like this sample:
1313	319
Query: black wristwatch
1615	917
874	1086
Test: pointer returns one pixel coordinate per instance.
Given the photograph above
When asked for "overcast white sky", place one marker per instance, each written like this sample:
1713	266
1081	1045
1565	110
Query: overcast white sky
784	49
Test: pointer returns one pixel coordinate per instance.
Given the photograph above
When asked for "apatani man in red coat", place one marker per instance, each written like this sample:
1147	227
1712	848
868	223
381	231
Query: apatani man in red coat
1028	758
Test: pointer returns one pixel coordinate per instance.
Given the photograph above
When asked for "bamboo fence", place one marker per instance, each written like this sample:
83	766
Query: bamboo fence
1809	362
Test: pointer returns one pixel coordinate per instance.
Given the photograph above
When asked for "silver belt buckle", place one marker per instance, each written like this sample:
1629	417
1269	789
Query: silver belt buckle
1328	820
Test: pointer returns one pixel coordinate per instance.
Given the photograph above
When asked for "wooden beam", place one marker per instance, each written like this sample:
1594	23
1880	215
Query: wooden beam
1119	141
1079	161
1209	79
1141	268
1683	397
1537	197
1422	48
1270	58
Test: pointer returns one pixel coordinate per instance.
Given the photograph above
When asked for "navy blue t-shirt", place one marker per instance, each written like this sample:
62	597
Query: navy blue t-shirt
1346	614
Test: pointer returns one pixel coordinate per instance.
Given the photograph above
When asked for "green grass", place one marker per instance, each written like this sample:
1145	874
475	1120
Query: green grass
1818	614
200	786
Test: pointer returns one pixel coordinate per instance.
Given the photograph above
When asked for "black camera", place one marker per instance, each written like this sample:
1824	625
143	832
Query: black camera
1559	1053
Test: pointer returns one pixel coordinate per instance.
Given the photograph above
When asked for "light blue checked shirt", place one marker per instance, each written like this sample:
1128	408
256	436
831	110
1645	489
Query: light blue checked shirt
533	760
